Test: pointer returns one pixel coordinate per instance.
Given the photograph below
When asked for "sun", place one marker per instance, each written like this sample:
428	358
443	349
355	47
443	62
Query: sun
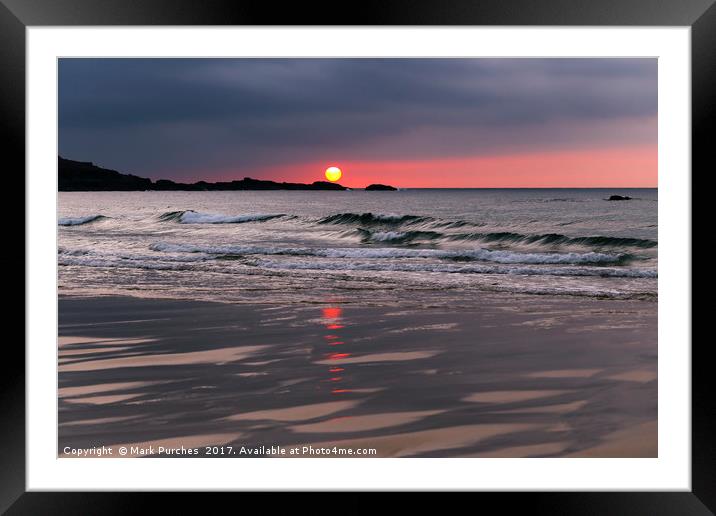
333	174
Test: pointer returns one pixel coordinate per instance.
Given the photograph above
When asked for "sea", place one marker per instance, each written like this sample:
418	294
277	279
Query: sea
412	247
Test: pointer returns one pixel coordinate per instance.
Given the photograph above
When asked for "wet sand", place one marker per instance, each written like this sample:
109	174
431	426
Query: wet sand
528	376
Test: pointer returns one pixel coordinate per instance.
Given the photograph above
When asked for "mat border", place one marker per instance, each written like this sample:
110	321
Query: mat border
17	15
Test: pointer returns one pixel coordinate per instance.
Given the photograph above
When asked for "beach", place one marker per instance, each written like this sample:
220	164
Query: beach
505	376
417	323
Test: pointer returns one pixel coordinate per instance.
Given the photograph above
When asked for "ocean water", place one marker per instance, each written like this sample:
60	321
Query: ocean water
418	247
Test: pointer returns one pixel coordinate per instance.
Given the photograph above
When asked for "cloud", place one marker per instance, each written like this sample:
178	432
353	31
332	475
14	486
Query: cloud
165	116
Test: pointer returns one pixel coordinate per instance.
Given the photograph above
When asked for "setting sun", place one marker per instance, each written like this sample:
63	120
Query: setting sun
333	173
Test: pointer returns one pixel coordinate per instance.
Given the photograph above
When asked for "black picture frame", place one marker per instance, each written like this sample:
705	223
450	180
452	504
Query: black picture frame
17	15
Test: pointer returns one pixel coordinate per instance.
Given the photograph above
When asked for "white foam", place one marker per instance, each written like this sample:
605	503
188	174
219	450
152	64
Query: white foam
463	269
391	217
87	255
230	249
191	257
487	255
118	264
387	236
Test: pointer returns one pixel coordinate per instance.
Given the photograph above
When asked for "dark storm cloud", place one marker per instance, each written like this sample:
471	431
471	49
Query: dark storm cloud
155	116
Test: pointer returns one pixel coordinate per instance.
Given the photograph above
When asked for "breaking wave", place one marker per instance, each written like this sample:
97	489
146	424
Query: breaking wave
78	221
193	217
387	253
408	229
555	239
366	219
397	237
368	260
429	226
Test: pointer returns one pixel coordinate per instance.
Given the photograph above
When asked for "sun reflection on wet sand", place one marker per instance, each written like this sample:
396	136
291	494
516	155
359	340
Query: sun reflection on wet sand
332	314
346	375
332	320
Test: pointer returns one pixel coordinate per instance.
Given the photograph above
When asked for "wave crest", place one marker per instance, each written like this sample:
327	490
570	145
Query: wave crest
397	237
194	217
554	239
78	221
368	218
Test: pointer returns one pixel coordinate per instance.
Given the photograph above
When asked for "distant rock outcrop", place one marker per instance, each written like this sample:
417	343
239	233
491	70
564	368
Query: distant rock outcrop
82	176
381	187
619	198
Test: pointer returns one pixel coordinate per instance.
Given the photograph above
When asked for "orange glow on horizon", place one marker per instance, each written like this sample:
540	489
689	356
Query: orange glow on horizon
624	167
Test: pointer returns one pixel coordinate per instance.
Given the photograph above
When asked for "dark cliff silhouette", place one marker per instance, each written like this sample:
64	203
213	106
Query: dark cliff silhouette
83	176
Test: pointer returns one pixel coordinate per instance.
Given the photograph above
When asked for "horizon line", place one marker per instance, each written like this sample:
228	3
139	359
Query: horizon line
517	187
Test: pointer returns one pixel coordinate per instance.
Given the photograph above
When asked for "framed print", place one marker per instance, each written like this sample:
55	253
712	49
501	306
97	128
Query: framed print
438	249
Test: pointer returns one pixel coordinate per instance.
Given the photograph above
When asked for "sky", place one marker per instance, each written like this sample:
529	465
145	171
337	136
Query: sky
412	123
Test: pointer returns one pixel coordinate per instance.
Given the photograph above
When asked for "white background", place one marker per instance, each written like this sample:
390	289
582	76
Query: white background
670	471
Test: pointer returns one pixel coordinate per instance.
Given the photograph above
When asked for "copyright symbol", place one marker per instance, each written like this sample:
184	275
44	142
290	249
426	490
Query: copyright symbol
123	451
